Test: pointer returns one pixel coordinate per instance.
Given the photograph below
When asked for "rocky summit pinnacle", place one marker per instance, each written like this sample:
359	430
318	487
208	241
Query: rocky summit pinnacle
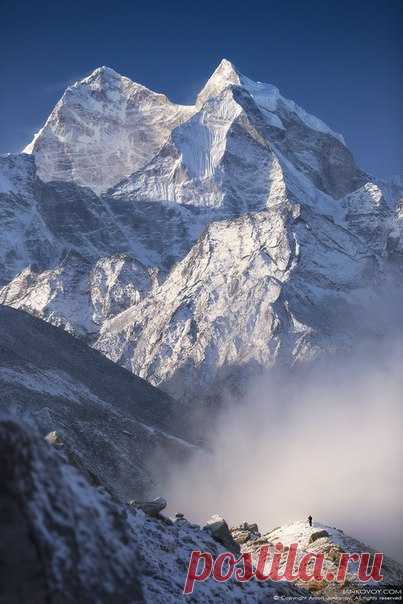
224	75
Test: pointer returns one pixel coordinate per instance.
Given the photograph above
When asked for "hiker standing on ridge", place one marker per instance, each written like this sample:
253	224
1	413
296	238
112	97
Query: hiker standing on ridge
310	520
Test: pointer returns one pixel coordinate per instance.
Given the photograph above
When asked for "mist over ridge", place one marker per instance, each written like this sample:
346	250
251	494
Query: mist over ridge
325	441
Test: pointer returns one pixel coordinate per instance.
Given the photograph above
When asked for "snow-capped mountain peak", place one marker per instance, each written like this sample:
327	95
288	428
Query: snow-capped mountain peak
224	75
103	72
107	127
243	184
103	128
265	95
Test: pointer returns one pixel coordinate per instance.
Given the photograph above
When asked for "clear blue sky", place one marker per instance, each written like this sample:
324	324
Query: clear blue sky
341	60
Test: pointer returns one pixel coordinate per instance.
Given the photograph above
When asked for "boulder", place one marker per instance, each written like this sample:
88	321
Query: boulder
219	530
318	535
245	532
152	508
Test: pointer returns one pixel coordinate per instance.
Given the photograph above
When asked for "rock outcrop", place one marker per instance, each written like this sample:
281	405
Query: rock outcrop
61	541
152	508
318	535
219	530
245	532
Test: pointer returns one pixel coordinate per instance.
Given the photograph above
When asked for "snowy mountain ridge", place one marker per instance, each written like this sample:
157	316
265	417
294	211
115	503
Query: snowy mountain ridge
231	236
63	538
106	127
109	423
266	96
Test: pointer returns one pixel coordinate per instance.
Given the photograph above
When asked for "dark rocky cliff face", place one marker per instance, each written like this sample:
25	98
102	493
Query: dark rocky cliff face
57	543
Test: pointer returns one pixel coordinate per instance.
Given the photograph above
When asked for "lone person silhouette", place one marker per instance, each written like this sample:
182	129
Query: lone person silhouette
310	520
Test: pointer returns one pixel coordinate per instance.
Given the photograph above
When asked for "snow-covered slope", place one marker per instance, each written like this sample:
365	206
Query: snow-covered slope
65	541
244	237
277	287
110	423
77	294
235	151
75	259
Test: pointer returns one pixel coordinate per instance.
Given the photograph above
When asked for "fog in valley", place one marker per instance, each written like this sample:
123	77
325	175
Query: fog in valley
323	441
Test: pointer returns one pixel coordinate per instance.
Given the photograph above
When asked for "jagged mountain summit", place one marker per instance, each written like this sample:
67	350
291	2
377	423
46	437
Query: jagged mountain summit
231	153
265	95
106	127
102	129
227	237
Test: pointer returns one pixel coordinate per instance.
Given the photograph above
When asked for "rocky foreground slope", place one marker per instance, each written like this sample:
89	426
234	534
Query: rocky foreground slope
64	541
111	424
197	245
